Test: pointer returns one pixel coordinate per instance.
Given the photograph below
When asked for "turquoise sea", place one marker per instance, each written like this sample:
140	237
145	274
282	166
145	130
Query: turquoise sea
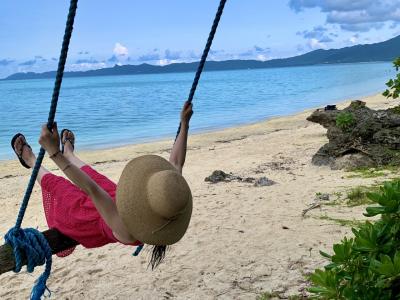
118	110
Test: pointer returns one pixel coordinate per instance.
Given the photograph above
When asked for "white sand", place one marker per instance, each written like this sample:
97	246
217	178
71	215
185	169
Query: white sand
236	246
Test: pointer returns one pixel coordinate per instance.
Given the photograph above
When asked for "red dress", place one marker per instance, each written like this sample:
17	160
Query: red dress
71	211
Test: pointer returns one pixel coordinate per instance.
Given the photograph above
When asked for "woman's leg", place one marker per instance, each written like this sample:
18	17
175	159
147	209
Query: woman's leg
28	156
48	195
108	185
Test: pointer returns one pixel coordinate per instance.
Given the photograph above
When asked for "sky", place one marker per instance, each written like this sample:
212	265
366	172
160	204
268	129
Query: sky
162	32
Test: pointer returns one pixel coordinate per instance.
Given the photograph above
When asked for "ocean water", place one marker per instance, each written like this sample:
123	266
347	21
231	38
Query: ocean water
117	110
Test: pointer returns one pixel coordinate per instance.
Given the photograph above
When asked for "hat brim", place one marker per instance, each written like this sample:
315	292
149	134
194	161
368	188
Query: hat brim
134	208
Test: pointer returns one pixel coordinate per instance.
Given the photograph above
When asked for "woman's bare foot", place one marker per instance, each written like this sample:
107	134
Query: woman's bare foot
22	148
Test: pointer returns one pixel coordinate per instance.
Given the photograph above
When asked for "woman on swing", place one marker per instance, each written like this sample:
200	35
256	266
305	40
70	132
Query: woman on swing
151	204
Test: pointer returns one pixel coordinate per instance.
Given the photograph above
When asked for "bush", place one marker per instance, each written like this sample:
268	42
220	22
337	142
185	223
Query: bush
358	196
345	120
394	84
395	110
366	266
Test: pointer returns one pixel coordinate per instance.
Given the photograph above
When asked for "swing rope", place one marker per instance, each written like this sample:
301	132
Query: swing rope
31	243
204	55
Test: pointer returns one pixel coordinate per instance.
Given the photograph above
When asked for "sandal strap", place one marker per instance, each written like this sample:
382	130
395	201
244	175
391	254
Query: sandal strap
69	139
19	153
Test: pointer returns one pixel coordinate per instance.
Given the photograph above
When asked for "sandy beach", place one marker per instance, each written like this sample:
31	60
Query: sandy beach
242	241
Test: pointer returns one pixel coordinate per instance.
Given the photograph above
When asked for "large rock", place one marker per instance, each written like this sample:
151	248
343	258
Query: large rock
358	136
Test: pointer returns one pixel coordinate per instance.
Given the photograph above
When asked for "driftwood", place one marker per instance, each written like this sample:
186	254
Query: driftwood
312	206
57	241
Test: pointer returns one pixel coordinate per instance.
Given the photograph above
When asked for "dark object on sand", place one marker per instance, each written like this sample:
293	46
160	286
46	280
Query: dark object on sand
249	179
323	197
264	181
221	176
218	176
358	137
330	107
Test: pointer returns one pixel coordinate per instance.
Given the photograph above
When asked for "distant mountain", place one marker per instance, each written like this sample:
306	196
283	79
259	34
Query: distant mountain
384	51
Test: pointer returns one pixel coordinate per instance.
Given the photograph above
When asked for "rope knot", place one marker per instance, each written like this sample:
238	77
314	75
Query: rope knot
31	244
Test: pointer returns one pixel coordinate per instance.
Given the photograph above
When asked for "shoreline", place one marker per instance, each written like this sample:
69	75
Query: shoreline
211	130
261	101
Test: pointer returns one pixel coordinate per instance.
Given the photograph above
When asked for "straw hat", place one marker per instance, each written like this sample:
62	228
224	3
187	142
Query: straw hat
154	201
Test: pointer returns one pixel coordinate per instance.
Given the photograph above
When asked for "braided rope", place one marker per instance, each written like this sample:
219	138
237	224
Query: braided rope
53	107
205	54
31	243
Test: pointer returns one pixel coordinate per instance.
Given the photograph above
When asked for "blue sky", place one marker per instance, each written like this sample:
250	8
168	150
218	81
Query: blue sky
160	32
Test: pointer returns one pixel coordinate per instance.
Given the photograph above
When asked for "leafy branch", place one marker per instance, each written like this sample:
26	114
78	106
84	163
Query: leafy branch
393	85
366	266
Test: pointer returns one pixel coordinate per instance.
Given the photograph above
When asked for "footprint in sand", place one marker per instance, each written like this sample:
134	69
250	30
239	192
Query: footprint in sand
94	271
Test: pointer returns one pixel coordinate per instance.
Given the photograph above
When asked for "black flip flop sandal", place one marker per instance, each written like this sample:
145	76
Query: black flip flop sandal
19	155
71	140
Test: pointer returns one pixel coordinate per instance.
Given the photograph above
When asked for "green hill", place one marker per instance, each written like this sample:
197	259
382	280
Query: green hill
384	51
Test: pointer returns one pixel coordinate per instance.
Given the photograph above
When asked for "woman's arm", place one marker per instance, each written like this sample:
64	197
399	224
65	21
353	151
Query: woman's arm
104	204
178	152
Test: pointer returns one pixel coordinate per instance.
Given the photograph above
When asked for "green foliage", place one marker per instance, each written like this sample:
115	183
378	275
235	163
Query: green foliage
345	120
336	199
366	172
341	222
366	266
393	85
275	295
395	110
358	195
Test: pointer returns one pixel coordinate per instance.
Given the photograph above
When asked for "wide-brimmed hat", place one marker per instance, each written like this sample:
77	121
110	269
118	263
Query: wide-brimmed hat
154	200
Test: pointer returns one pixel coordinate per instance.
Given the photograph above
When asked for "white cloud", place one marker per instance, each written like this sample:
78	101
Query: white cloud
354	15
84	66
120	50
172	55
354	39
166	61
319	33
316	44
262	57
163	62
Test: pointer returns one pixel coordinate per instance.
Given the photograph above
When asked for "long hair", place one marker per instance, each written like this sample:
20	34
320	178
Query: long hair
157	256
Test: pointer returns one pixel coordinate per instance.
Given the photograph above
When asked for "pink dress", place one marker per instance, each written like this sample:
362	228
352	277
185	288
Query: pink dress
70	210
